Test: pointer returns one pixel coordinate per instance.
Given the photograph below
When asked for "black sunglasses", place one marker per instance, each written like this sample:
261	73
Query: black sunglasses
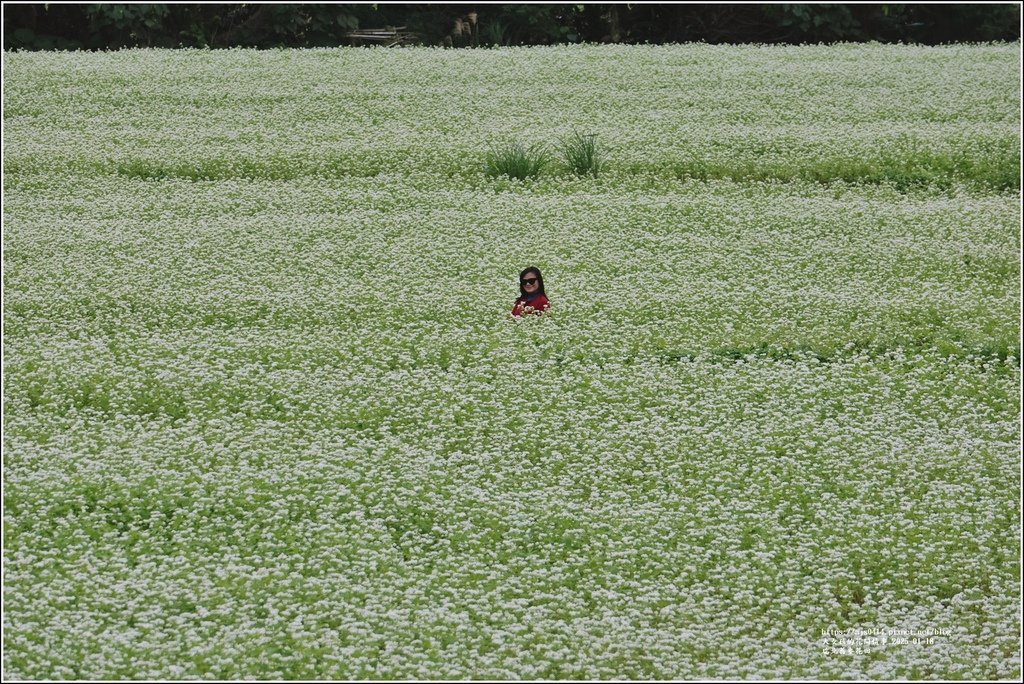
529	281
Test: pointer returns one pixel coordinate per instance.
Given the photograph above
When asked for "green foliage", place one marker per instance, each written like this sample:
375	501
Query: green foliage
515	160
102	26
496	33
834	22
137	24
582	154
984	164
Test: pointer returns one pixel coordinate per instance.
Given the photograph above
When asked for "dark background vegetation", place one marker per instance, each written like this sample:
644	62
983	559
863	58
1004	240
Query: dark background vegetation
111	26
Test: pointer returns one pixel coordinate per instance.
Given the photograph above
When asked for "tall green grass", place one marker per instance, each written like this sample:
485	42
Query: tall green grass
515	160
582	154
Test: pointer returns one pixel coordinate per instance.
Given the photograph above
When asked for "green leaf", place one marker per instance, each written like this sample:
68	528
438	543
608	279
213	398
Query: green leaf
23	35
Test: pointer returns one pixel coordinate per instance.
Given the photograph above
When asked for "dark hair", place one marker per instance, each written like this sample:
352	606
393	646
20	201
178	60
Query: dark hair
540	282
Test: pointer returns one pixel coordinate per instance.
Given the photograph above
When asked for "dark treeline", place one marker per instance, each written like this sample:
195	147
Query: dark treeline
111	26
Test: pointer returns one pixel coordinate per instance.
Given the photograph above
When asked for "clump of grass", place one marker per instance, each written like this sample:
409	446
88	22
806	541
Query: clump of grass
582	154
515	160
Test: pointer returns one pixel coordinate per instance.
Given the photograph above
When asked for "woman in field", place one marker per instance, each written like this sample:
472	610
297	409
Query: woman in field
531	293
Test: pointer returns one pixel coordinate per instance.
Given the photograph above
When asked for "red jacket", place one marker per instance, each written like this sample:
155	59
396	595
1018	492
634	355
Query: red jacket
539	303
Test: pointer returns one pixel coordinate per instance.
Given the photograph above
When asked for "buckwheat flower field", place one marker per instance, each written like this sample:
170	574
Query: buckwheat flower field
266	414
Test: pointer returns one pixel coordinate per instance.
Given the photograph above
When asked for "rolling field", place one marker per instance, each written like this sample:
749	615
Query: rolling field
266	414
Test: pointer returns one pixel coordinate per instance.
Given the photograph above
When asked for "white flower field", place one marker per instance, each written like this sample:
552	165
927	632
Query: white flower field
266	414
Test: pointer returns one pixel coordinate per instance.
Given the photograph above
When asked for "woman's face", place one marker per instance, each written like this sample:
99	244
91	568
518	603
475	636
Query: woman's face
530	282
